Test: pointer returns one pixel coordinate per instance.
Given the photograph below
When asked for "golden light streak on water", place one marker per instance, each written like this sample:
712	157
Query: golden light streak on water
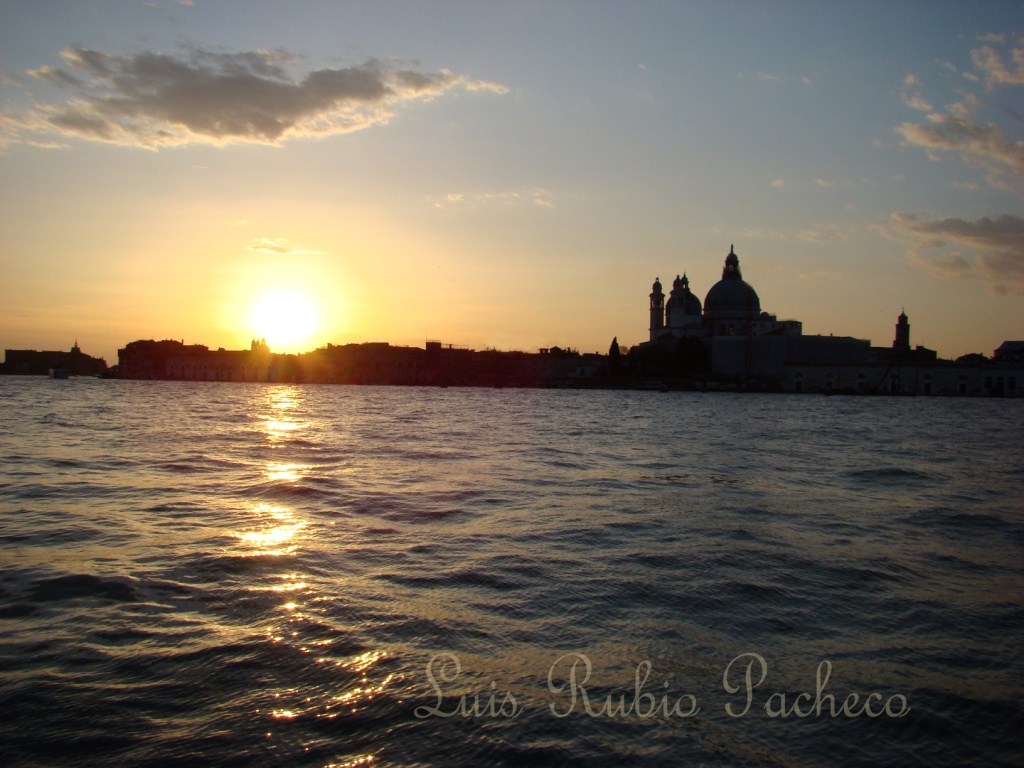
364	661
287	472
277	535
355	762
364	693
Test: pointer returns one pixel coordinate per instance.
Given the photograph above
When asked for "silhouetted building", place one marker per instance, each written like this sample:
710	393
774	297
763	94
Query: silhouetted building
900	350
1009	352
171	359
901	344
730	342
30	362
729	337
731	308
436	364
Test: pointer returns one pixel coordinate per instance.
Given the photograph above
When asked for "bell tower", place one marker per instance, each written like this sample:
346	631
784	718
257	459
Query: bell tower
657	309
901	344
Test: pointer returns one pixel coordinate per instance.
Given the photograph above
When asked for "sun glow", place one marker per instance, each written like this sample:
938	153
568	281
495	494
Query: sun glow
287	320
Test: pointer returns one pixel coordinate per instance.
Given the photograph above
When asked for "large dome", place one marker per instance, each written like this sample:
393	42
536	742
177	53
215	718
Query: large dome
731	293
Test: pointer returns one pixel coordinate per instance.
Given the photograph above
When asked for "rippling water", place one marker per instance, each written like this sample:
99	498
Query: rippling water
237	574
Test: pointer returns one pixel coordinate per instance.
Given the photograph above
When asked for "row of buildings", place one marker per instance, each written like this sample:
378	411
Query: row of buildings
725	342
728	340
435	364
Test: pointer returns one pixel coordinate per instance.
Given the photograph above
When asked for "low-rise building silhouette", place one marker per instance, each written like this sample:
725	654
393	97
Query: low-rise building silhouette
435	364
31	362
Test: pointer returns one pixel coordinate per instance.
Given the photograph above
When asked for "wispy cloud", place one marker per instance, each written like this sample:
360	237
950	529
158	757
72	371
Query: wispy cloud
984	145
761	233
279	246
155	100
996	70
997	245
815	233
534	196
823	233
916	102
960	132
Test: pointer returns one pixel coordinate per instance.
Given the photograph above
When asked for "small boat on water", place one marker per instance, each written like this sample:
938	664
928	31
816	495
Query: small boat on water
59	373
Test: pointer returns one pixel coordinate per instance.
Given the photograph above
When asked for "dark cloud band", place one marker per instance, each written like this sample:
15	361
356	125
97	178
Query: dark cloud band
154	100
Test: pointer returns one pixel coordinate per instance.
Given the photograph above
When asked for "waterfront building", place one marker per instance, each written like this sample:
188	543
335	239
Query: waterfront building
730	341
172	359
435	364
729	337
731	308
31	362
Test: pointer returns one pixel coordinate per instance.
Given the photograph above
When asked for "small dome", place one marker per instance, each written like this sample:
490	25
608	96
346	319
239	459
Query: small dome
682	298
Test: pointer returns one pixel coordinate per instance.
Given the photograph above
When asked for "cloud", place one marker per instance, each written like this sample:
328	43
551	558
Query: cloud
998	245
765	233
971	130
984	145
998	72
948	267
278	246
154	100
778	183
916	102
536	196
823	233
54	76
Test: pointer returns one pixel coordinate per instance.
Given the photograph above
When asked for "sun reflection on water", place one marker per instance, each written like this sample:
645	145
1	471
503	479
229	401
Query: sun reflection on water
276	533
286	472
277	404
277	530
363	693
355	762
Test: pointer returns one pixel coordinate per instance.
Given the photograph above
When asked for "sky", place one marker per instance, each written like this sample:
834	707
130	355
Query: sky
509	175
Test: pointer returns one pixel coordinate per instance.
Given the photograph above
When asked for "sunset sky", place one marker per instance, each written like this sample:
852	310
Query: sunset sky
505	174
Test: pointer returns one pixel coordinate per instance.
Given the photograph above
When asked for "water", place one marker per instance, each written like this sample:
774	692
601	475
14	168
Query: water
235	574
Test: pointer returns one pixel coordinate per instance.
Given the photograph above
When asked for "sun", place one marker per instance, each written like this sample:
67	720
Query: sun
286	318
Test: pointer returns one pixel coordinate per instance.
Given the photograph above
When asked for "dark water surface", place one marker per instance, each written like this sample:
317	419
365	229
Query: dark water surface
233	574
